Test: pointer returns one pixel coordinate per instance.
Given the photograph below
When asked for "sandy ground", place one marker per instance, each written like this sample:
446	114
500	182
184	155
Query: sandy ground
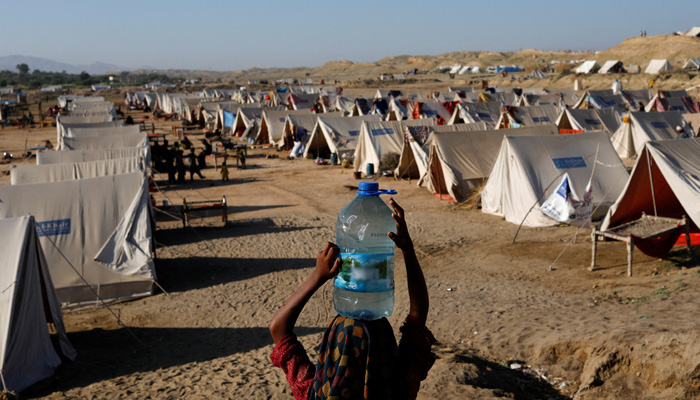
577	333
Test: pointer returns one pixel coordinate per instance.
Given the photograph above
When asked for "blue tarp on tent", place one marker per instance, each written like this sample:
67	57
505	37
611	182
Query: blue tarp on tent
229	119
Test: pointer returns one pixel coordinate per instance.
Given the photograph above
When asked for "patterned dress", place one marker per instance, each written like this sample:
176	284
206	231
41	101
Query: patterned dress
359	360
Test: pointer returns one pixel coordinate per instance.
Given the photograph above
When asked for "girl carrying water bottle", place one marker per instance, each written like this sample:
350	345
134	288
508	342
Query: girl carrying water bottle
358	359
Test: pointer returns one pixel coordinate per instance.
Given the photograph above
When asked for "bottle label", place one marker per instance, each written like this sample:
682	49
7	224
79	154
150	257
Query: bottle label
366	272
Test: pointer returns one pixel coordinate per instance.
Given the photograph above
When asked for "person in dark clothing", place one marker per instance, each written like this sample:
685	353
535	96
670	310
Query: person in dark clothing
170	162
185	143
202	156
180	166
194	169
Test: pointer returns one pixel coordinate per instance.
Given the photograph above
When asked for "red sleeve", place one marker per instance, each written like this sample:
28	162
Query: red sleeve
291	356
415	353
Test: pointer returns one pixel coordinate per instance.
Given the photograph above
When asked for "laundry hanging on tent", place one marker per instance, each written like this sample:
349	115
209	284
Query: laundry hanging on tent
229	119
418	134
565	206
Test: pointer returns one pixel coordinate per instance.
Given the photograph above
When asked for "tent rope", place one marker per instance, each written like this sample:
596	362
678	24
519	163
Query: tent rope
2	378
89	286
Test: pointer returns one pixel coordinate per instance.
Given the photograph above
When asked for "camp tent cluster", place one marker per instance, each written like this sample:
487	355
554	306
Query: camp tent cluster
77	231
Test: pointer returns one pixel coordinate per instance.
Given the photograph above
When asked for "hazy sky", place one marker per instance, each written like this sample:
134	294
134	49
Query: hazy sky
229	35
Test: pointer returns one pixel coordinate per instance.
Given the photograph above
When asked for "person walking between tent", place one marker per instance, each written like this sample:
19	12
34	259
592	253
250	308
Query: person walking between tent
358	359
224	172
194	168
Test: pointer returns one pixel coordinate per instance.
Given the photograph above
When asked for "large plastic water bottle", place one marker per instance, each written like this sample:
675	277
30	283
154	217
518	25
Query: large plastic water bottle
364	288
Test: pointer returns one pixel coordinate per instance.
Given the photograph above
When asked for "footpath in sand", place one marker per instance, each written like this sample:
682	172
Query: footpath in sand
493	304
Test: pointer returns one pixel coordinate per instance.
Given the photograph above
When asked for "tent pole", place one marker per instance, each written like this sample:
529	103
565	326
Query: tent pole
651	181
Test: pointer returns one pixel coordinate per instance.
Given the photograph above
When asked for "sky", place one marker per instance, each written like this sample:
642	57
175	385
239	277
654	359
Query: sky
230	35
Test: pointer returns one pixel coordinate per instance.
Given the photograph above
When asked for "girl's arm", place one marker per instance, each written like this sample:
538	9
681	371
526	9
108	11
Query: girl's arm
327	266
417	289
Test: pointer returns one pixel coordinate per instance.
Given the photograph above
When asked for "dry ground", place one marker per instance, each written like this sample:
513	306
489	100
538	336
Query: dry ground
591	335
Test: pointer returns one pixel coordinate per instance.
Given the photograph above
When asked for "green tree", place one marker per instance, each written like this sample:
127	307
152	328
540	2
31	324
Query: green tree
23	69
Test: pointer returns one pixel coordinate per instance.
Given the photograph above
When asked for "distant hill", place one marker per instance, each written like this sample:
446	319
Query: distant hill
640	50
634	50
9	63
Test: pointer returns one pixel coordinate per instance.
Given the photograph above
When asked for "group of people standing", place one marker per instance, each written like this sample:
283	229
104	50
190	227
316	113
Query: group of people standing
171	159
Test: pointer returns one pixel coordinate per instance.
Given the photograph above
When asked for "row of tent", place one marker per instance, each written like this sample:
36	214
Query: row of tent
76	230
517	167
480	145
656	66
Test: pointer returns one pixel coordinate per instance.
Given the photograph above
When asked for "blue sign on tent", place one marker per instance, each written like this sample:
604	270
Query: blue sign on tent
569	162
383	131
54	228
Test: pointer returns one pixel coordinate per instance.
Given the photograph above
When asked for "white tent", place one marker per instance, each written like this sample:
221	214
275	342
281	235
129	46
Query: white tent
658	66
611	66
530	99
672	191
694	31
76	156
378	138
518	117
692	64
673	100
588	67
641	127
430	109
272	125
29	308
344	104
107	241
460	89
488	112
528	168
413	163
247	120
335	135
24	174
537	74
65	124
634	97
603	99
460	161
604	119
397	109
77	131
300	125
105	142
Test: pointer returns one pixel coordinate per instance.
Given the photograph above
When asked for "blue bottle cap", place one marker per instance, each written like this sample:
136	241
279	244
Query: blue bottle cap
368	187
372	189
